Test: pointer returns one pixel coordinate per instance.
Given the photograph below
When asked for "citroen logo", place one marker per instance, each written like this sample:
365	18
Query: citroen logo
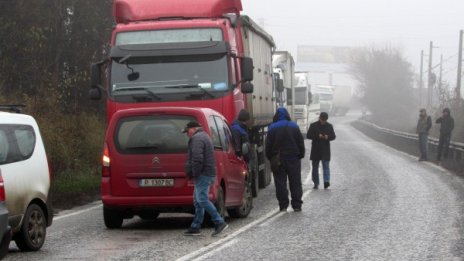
156	161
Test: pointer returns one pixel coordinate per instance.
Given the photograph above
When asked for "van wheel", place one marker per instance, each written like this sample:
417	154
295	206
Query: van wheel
247	204
32	233
220	202
112	218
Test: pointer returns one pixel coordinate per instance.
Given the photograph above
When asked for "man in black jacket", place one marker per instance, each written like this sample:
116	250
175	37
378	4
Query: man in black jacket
447	126
201	165
423	126
321	133
284	138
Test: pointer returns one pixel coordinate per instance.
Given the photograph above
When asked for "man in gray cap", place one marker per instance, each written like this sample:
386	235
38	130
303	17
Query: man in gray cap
201	165
321	133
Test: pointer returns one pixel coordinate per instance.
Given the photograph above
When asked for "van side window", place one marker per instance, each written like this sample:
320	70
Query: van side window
222	133
17	143
214	133
229	135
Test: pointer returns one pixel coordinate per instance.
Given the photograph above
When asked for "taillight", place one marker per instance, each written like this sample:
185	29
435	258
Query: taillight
2	188
106	162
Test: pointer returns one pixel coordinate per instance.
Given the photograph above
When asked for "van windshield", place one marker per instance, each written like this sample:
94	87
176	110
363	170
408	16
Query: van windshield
152	134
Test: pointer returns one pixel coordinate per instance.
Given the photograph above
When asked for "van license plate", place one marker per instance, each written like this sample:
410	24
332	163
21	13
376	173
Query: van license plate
156	183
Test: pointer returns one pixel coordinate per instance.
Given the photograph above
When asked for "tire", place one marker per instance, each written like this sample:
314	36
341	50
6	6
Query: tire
112	218
254	172
220	207
31	235
220	202
247	204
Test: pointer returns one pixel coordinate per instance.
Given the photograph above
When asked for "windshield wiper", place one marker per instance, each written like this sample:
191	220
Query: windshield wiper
142	148
196	86
137	97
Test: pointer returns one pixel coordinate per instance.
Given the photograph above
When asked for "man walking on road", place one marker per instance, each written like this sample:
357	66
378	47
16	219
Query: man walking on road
447	126
201	165
321	133
284	140
423	126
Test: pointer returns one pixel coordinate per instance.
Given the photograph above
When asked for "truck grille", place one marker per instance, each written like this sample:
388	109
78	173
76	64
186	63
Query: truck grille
299	114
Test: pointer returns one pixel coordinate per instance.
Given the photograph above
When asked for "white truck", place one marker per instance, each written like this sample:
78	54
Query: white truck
341	99
300	102
284	68
325	93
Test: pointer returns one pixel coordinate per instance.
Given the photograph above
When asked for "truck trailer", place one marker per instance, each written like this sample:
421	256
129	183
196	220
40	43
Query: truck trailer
196	53
284	69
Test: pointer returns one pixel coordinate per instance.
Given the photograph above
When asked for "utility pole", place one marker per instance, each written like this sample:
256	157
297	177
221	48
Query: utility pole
429	80
441	92
421	83
458	82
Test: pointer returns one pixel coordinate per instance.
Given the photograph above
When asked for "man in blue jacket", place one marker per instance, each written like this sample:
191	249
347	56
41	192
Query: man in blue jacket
201	165
284	138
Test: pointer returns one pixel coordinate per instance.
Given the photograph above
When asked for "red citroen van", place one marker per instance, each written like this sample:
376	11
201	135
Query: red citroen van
143	165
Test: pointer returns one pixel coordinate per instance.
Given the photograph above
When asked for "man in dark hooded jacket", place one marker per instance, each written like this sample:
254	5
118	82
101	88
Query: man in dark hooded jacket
321	133
284	137
447	126
240	135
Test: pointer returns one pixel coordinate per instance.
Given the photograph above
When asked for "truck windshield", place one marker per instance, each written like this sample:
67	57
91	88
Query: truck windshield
301	94
171	78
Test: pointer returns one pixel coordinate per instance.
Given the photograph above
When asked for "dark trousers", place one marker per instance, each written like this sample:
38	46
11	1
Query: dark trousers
290	169
423	140
443	146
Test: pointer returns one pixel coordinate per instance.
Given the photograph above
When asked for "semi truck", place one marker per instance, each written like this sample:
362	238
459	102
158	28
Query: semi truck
196	53
325	93
283	65
341	99
301	101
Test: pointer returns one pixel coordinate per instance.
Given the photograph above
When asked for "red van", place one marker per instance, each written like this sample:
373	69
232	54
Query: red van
143	165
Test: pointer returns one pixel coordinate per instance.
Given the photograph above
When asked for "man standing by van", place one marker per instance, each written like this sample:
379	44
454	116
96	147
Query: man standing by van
201	165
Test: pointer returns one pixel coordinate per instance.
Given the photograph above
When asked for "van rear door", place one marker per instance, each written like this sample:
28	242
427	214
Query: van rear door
148	158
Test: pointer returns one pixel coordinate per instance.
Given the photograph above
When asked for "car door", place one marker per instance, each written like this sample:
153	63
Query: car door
233	164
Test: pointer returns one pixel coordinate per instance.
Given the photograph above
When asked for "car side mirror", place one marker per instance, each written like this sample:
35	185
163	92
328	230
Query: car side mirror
247	69
245	148
247	87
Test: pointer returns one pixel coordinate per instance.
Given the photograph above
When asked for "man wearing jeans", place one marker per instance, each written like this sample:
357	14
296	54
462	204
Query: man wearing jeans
321	133
201	165
423	126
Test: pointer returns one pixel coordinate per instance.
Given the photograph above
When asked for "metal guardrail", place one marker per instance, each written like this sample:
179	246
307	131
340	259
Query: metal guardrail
458	146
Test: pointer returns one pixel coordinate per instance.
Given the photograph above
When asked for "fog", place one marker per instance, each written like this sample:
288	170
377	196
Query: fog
405	24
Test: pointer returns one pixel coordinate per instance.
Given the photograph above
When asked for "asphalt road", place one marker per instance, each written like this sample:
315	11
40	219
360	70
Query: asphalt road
382	205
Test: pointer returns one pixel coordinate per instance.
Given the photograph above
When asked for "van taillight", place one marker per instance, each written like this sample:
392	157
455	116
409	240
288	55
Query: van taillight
2	189
106	162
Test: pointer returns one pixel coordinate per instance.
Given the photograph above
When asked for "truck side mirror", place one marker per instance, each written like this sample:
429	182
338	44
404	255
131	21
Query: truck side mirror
280	85
310	97
247	87
95	75
247	69
95	93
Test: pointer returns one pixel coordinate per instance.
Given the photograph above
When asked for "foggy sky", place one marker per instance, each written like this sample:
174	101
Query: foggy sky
406	24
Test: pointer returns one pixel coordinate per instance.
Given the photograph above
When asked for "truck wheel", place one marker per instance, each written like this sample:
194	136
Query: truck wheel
112	218
32	233
254	172
247	204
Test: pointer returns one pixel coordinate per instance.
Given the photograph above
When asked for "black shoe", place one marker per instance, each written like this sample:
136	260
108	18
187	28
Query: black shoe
326	184
283	209
297	209
219	228
316	187
192	232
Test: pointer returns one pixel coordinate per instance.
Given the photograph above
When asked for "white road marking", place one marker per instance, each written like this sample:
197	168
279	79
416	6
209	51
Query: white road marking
229	240
77	212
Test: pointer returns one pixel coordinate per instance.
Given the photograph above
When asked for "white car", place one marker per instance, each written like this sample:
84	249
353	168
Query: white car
26	176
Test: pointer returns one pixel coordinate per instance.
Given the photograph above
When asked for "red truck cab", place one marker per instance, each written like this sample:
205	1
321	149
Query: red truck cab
143	165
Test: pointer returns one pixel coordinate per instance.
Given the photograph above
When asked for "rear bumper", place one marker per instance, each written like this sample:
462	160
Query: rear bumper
133	202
